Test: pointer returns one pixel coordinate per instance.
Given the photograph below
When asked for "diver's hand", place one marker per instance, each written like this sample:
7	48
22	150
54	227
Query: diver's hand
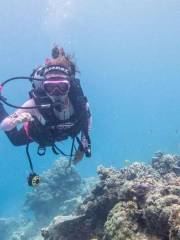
23	117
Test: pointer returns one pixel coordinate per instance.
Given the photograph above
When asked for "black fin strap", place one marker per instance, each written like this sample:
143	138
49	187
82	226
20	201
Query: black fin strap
41	151
29	157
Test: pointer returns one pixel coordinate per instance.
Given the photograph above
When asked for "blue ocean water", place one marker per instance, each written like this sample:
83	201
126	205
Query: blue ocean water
128	55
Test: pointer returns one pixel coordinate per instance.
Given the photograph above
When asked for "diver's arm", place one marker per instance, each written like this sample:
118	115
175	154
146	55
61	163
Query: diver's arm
20	116
16	137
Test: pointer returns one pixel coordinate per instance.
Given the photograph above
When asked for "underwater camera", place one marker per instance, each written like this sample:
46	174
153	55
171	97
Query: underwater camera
33	180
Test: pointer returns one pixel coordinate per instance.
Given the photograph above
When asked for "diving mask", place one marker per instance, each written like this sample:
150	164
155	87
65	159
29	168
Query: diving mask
56	87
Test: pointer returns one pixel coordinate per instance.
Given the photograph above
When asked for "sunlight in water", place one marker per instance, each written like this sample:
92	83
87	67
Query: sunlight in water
58	14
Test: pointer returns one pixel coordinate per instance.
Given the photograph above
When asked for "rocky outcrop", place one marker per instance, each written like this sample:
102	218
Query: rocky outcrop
71	227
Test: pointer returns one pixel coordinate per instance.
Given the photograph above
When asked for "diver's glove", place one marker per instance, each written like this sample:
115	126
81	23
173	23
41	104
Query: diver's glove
21	118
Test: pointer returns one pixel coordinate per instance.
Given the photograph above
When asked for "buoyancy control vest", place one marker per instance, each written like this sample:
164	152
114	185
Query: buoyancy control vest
54	129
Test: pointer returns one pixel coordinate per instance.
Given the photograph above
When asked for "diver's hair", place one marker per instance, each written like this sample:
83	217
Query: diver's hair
59	57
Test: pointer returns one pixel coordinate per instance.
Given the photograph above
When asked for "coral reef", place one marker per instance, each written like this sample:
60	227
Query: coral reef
134	203
166	163
7	226
18	229
139	202
174	223
122	221
60	192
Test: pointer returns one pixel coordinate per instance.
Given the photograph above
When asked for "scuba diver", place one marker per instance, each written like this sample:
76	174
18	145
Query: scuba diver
56	110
